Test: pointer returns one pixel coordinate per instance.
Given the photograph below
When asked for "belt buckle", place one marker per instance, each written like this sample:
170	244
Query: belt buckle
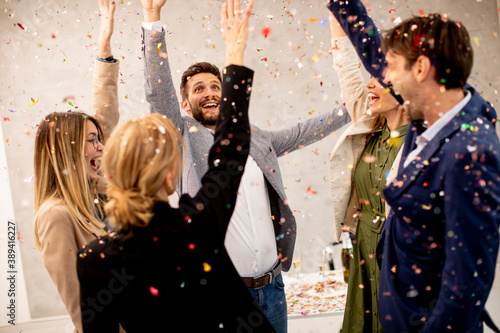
270	274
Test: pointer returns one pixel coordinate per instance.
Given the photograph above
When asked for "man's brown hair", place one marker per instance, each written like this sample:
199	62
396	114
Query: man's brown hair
445	42
199	67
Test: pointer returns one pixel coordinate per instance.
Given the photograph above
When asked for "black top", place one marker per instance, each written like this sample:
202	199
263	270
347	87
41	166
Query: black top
175	274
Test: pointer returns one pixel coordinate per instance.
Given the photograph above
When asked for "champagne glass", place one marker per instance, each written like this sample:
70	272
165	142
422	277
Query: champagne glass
296	262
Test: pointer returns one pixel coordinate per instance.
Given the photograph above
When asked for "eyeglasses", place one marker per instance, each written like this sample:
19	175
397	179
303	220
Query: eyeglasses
96	141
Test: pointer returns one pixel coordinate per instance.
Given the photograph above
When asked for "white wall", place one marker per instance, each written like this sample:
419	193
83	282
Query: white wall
52	59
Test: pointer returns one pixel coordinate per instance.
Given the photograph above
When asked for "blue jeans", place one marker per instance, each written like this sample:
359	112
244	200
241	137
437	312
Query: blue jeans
272	301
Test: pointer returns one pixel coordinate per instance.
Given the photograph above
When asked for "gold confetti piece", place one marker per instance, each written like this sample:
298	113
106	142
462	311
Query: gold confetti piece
313	19
207	267
34	100
193	129
315	59
126	96
159	48
476	41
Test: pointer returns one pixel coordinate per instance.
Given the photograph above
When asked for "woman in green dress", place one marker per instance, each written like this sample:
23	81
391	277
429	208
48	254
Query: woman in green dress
365	156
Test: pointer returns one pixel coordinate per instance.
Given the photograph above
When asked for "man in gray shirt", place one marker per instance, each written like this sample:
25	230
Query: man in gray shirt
261	236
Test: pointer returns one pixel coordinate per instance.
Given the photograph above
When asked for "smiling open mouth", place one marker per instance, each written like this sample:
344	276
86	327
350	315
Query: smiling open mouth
210	104
96	162
373	98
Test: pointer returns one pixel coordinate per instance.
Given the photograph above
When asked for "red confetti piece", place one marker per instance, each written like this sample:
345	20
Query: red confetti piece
68	98
266	31
19	237
20	26
310	190
153	291
6	119
191	246
260	50
417	41
263	59
391	11
421	12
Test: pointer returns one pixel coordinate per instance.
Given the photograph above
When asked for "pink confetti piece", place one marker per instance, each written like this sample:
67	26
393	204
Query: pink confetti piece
153	291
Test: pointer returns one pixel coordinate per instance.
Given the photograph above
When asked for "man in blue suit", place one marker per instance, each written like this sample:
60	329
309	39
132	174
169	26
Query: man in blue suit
440	242
441	239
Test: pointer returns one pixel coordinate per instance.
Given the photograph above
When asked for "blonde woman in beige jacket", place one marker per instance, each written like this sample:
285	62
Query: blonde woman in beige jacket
68	185
365	157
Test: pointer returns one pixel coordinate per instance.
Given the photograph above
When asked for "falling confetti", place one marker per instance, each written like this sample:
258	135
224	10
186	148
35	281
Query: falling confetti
19	237
68	98
153	291
266	31
310	190
34	100
391	11
20	26
313	19
159	48
29	179
193	129
207	267
369	158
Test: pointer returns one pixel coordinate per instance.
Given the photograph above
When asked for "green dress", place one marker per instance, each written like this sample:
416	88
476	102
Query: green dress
369	179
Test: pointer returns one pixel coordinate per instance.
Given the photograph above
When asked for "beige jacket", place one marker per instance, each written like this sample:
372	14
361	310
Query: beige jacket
60	234
352	141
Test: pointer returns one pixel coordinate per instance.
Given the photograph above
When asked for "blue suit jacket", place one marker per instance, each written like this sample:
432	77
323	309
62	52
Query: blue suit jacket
440	241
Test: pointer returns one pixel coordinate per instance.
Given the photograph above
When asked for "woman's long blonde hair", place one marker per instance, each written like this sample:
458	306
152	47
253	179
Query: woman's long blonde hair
60	167
378	123
138	156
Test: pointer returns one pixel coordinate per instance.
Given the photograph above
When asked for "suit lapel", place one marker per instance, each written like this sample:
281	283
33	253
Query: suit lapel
407	176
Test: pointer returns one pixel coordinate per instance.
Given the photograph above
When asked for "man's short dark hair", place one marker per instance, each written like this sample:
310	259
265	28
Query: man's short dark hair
199	67
445	42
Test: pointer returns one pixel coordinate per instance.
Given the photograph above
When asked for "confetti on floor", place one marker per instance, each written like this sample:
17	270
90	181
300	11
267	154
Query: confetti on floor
313	294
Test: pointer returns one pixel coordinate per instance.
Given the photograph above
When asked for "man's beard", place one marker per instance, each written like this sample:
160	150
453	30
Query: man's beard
202	117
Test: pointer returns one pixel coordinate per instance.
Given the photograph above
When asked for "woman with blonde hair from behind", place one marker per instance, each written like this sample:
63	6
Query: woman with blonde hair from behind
166	269
69	189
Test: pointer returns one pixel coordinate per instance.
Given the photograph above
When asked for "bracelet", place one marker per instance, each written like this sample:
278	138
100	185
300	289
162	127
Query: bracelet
108	59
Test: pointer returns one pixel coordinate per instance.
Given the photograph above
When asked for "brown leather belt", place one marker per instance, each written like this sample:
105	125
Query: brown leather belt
263	280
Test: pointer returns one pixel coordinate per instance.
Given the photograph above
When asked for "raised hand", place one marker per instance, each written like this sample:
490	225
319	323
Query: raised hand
106	31
151	10
235	30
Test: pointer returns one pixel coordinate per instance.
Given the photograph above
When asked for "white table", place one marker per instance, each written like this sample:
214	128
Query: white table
315	303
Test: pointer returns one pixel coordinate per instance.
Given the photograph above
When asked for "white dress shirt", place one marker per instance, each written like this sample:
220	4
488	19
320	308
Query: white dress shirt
250	239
